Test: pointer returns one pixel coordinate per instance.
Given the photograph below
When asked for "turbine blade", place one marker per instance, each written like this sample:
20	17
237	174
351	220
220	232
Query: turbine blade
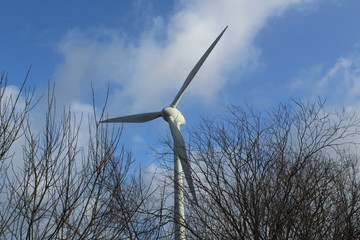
195	70
179	149
136	118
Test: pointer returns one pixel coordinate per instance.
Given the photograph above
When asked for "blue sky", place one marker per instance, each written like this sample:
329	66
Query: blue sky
272	51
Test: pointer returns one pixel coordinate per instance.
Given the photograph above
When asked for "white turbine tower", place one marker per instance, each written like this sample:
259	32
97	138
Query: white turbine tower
181	162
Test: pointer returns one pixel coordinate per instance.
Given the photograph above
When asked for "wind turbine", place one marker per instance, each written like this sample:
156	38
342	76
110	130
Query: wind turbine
181	161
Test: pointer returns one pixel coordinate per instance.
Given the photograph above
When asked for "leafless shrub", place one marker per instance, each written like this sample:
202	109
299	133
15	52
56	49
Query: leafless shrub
65	190
14	109
288	175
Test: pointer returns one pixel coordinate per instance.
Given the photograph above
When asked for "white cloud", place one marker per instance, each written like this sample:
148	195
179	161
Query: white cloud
146	73
342	81
341	66
338	84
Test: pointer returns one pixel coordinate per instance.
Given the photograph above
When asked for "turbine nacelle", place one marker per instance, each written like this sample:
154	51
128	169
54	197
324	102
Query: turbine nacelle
174	113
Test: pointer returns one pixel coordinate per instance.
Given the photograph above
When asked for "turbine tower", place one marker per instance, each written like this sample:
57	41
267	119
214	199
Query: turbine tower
181	161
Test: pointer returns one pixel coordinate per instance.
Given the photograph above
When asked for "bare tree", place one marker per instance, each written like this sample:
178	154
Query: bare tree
71	188
292	174
289	175
13	112
15	104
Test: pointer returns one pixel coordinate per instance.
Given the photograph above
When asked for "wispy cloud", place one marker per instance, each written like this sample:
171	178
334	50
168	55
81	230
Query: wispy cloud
339	83
342	81
147	72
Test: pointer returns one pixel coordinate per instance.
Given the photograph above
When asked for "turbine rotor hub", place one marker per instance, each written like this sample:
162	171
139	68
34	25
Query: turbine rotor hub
174	113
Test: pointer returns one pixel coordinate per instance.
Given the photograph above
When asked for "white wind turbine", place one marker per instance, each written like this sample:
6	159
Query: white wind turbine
181	161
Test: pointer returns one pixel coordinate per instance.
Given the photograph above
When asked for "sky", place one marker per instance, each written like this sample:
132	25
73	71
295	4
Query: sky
141	51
